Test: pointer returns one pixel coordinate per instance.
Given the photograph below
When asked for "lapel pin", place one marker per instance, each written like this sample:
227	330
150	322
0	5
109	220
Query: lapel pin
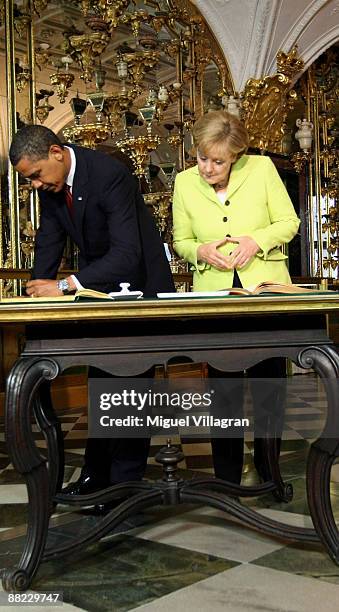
79	197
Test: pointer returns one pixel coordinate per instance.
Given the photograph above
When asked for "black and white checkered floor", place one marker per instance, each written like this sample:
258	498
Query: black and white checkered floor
192	558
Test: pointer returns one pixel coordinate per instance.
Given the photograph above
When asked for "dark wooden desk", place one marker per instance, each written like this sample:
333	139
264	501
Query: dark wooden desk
126	339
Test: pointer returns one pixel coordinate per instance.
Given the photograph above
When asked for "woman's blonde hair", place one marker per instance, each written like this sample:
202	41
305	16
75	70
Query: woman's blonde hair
219	129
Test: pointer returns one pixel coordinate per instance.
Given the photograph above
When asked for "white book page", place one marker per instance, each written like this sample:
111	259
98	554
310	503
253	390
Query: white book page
193	294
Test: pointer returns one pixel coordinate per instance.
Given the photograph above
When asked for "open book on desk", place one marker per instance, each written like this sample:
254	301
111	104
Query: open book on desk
85	295
91	294
273	287
266	287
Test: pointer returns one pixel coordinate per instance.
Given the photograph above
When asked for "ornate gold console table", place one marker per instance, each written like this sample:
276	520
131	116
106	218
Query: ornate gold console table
126	339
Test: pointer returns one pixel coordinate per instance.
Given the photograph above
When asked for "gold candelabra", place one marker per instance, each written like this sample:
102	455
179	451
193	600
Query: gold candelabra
139	62
89	134
109	10
116	104
135	20
62	79
138	149
87	47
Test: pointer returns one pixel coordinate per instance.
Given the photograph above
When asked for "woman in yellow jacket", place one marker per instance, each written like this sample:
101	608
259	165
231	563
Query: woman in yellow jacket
231	215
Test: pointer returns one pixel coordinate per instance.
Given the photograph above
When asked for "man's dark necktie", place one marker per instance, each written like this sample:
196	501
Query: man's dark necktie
69	199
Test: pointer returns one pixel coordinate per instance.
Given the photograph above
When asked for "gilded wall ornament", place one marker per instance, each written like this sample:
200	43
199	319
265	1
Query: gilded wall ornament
267	101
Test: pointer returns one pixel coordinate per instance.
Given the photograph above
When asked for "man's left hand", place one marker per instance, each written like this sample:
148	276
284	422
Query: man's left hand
43	288
246	249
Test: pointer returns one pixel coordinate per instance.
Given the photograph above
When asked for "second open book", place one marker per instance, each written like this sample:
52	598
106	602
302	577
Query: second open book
266	287
271	287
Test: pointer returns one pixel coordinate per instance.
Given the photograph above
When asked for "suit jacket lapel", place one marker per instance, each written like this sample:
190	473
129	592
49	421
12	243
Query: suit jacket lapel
80	195
205	188
239	173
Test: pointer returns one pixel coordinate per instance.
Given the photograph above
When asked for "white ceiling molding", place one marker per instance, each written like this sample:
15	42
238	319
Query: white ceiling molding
299	23
323	42
251	32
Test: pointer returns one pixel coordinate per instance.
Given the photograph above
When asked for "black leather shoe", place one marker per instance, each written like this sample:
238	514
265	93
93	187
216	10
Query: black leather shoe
85	485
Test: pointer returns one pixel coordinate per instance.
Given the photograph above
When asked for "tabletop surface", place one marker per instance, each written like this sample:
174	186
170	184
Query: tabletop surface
26	310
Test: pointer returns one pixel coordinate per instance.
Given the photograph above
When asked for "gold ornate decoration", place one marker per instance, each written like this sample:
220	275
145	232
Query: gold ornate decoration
161	203
305	136
62	79
39	6
318	89
88	135
22	74
43	107
27	245
22	21
135	20
115	105
109	10
87	47
42	55
138	149
139	62
25	190
267	101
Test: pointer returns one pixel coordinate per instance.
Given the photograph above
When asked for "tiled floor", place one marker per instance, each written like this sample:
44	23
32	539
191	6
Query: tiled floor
191	558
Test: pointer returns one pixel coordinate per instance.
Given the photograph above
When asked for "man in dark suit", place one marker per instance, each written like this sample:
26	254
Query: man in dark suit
94	199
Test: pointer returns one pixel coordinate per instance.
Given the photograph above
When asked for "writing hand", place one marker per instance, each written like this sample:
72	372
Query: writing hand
43	288
246	249
209	253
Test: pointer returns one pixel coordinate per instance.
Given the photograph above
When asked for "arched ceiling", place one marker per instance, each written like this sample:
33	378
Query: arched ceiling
251	32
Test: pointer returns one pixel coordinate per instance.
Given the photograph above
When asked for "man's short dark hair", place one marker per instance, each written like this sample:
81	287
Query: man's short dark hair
34	142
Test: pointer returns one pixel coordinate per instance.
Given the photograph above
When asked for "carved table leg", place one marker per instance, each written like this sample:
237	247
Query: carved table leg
23	382
51	428
283	491
324	451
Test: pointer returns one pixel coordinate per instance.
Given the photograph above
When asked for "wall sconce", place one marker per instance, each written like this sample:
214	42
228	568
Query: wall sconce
232	105
62	79
43	107
22	74
304	134
42	55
